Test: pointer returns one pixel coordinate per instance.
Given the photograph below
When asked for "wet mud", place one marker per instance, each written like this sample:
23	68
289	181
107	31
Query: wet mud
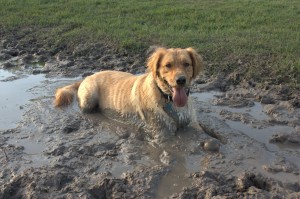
247	144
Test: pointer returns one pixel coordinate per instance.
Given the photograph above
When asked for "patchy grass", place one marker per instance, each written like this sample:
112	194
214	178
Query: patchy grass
258	38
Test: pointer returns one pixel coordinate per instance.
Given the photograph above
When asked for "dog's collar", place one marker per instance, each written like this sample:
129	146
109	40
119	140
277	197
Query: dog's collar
166	96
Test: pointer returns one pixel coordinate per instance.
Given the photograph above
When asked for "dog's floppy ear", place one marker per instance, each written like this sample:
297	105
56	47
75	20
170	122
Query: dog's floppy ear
197	62
154	60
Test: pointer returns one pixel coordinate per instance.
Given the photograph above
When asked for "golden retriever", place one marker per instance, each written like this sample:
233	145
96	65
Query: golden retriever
157	101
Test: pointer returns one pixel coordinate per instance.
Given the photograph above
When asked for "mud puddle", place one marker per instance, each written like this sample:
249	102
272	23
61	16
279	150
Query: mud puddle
250	119
14	95
279	160
17	90
49	152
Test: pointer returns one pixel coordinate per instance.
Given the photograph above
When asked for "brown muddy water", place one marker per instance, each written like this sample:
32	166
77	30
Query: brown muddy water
15	93
89	147
253	122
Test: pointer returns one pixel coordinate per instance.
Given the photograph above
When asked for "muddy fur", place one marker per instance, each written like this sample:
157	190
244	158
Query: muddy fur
64	96
142	97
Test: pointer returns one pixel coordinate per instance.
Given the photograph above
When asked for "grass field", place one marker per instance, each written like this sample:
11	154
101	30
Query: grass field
261	38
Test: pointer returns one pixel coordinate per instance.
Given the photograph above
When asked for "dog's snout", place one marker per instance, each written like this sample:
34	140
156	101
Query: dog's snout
181	81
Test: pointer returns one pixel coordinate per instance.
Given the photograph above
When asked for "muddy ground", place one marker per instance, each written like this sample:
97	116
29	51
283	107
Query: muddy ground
249	145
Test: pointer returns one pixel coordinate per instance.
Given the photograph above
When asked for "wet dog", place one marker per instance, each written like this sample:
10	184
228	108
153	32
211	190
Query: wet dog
157	101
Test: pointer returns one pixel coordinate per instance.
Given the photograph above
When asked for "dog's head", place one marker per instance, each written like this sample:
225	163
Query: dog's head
174	69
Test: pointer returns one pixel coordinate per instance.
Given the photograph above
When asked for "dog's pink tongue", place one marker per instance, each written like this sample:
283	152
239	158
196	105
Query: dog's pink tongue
179	97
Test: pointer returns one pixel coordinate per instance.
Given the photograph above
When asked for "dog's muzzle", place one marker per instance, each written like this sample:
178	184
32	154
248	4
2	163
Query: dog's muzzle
181	81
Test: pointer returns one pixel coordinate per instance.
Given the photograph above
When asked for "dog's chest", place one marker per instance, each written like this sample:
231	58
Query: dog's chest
181	116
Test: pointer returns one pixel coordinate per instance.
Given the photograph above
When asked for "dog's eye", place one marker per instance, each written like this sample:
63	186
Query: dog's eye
186	64
168	65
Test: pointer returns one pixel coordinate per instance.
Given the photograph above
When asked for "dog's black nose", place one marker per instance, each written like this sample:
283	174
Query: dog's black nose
181	81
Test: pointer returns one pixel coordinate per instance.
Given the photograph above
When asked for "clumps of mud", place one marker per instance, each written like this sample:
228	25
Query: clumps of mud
286	138
212	145
44	58
61	182
246	185
281	165
242	94
283	113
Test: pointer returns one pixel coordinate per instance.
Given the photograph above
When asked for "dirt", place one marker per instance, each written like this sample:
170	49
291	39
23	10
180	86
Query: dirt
248	145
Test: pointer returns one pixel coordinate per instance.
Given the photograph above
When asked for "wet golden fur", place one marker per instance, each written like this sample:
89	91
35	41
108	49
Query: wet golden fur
138	96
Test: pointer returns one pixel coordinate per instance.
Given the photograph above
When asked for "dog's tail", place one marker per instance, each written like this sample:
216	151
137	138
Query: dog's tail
64	96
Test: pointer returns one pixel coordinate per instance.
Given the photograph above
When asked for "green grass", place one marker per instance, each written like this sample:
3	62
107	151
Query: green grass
263	35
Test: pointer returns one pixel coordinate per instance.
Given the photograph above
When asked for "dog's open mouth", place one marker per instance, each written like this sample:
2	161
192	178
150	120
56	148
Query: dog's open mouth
179	96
